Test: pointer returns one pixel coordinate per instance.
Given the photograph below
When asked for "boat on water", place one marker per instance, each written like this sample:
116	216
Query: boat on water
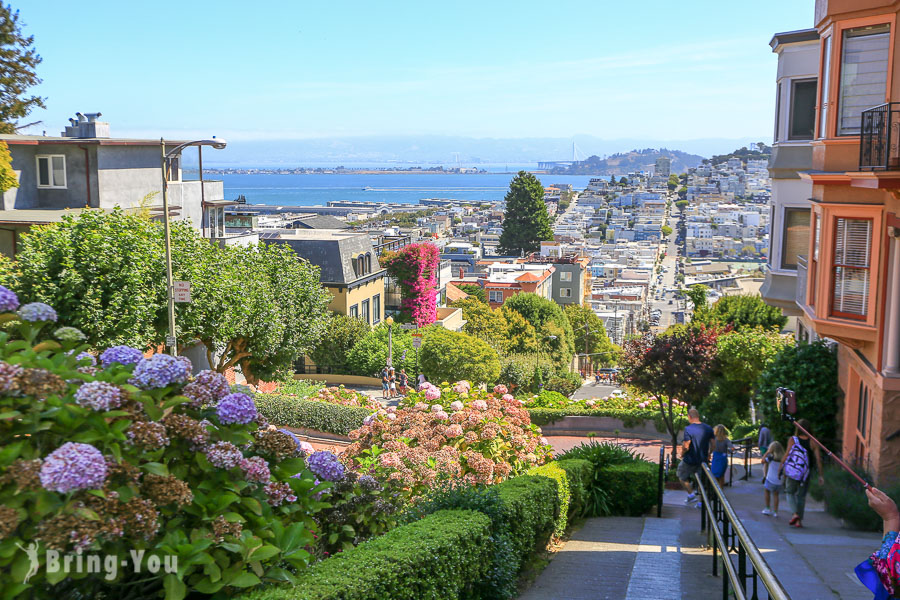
368	189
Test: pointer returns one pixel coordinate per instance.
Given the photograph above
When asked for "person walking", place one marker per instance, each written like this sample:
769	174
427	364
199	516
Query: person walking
694	450
765	438
385	382
392	380
404	382
421	381
773	480
719	453
801	459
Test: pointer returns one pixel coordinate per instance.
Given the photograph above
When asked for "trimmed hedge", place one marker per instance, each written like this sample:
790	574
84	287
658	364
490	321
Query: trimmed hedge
531	507
555	472
286	411
435	558
580	474
629	418
631	487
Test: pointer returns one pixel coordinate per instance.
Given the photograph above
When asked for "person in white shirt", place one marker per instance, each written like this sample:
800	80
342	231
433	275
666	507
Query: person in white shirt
774	481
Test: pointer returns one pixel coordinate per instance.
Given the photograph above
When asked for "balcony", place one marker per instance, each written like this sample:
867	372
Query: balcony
879	142
801	281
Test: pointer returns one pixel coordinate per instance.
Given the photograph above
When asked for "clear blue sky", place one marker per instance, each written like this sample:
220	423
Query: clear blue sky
295	69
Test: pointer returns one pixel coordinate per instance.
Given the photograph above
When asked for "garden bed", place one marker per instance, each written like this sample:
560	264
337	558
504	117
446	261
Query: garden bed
581	425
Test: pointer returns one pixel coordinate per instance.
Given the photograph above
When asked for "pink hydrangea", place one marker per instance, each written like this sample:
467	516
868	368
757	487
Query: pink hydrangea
501	389
441	415
462	387
507	398
436	408
479	405
456	405
391	416
454	430
432	393
306	447
369	420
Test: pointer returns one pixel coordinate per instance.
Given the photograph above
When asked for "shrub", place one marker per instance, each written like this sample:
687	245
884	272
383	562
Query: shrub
530	506
564	382
845	498
415	269
300	388
369	355
517	371
436	558
480	438
555	472
123	456
631	487
580	475
451	356
598	455
342	332
547	399
344	397
308	414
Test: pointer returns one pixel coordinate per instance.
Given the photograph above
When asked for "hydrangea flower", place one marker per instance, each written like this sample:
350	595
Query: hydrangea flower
86	356
208	387
278	492
500	389
159	371
436	408
236	408
456	405
224	455
432	393
9	378
124	355
391	416
507	398
368	483
67	334
256	469
34	312
441	415
8	300
73	466
99	395
479	405
325	465
462	387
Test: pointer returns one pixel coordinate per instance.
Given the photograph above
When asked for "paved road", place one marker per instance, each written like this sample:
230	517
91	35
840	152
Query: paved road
593	390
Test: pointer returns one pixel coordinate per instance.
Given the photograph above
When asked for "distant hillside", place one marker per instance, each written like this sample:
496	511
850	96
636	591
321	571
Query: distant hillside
757	151
627	162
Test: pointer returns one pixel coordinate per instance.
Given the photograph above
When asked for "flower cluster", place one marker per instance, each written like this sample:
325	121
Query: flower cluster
66	334
159	371
207	388
236	408
166	489
325	465
278	492
149	435
415	268
345	397
99	395
73	466
256	469
224	455
8	300
35	312
9	378
124	355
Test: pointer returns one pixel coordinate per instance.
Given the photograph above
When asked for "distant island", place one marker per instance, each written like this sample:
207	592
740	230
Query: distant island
627	162
341	170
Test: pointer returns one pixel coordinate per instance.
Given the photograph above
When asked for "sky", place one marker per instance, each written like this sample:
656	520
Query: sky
291	69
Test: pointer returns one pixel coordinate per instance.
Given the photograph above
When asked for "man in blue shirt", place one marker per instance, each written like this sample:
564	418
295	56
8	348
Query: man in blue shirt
694	451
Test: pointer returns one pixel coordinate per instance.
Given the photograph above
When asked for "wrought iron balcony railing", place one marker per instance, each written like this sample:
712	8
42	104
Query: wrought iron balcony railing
879	138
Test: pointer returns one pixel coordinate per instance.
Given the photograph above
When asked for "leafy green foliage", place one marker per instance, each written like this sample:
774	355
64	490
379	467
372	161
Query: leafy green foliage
580	474
18	63
666	230
811	371
590	335
526	222
286	411
555	472
452	356
599	455
631	487
742	312
530	506
548	328
845	498
475	291
437	557
8	179
564	382
483	322
342	333
370	354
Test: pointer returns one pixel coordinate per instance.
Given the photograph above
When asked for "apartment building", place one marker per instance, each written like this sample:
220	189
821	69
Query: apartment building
848	277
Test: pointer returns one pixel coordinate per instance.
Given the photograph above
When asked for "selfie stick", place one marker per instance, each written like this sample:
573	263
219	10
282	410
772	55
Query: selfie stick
832	455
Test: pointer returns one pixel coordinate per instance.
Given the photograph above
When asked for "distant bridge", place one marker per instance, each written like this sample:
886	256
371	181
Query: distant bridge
561	164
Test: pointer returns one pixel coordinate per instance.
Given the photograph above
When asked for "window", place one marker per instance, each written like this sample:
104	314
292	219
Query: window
376	309
852	244
51	171
777	135
794	236
825	81
368	262
354	311
565	292
864	62
215	221
803	109
862	416
565	276
495	296
364	315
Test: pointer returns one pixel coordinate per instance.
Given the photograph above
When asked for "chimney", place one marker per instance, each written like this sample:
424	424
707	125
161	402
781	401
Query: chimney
462	273
86	126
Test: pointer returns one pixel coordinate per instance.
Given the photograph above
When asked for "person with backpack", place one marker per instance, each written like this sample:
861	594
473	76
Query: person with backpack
800	460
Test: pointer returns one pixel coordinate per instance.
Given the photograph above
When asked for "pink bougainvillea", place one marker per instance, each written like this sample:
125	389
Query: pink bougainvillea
415	267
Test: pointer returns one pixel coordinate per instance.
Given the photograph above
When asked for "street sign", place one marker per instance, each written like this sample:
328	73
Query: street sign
181	290
408	326
417	340
170	341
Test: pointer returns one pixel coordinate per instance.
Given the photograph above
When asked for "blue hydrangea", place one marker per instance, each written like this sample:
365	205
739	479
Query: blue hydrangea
208	387
73	466
325	465
236	409
8	300
124	355
37	311
159	371
86	356
99	395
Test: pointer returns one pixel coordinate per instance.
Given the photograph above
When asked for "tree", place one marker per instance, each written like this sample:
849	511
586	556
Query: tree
484	323
415	268
666	230
18	61
623	181
552	330
743	311
590	335
526	222
811	371
681	204
474	290
675	365
8	179
451	356
612	179
697	295
342	333
673	182
370	354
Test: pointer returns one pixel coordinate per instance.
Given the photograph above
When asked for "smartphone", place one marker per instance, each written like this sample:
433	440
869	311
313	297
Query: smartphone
786	401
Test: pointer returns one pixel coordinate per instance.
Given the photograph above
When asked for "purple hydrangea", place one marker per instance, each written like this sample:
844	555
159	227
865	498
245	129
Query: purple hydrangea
159	371
8	300
236	409
368	483
73	466
124	355
86	356
325	465
224	455
256	469
208	387
99	395
278	492
37	311
9	377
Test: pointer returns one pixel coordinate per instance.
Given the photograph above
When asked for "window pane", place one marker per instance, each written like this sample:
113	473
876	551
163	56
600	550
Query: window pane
826	81
803	109
59	171
852	245
777	135
43	171
795	237
851	242
864	62
851	290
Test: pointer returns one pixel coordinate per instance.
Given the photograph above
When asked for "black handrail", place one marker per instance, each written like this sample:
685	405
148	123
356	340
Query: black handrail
732	538
661	482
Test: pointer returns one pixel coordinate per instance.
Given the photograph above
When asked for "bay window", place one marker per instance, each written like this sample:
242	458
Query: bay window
852	267
795	236
865	52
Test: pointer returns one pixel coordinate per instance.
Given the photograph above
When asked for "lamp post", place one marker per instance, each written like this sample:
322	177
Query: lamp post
390	324
171	340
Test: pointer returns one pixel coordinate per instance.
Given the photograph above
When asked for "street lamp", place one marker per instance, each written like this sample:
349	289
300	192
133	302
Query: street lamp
390	324
167	157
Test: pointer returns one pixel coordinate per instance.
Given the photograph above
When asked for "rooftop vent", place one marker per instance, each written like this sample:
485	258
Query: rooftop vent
86	126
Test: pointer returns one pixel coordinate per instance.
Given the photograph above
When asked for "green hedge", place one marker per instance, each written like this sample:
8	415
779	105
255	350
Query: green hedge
435	558
322	416
531	506
558	474
629	418
631	487
580	474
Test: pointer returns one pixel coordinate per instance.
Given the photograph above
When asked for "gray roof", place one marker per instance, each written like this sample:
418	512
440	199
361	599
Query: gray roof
331	250
321	222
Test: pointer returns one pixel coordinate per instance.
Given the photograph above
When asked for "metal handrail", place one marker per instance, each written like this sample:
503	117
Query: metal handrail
716	509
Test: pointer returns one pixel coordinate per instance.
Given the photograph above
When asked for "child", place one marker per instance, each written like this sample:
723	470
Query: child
719	449
773	457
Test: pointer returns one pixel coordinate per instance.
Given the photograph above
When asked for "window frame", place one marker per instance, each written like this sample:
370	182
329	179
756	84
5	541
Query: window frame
849	26
562	293
353	311
376	309
52	185
565	276
833	266
823	101
783	242
365	310
790	122
491	296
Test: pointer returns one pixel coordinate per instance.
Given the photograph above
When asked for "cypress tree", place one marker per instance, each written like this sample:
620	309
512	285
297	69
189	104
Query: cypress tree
18	60
526	222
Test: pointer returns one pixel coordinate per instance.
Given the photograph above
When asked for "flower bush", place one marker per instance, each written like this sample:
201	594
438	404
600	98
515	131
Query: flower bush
415	268
137	455
481	437
344	397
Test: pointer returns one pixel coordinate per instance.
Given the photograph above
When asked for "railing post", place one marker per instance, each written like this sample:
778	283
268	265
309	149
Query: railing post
742	566
661	483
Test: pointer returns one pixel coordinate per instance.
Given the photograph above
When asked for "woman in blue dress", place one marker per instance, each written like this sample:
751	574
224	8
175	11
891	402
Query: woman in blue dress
719	449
